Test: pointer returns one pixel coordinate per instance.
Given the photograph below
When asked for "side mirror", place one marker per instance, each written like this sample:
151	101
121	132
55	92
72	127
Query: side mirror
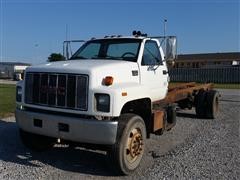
170	48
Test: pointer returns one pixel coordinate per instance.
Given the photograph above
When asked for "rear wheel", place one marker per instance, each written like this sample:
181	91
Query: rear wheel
128	151
171	114
171	117
207	104
212	104
200	104
36	142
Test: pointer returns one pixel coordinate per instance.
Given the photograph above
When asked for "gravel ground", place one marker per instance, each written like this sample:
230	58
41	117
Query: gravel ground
194	149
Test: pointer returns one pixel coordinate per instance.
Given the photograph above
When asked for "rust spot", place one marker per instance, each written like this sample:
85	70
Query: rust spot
158	120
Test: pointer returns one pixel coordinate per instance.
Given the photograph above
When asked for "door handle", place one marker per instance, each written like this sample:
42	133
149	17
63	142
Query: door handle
165	72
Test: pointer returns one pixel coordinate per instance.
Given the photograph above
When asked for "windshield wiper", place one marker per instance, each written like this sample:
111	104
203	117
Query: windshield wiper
106	57
77	57
112	57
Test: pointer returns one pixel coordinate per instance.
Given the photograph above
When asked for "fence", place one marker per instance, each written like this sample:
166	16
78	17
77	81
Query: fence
215	75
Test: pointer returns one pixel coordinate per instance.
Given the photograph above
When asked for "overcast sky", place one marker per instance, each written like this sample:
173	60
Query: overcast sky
30	30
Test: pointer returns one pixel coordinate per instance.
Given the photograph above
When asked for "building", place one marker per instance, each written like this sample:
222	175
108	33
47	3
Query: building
207	60
9	70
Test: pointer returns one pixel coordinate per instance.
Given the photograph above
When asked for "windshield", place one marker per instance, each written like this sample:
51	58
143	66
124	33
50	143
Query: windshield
112	49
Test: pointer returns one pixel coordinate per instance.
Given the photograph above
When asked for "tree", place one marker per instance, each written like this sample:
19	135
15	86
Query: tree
56	57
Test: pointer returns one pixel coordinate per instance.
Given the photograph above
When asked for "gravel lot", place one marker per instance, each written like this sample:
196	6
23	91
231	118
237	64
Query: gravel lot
194	149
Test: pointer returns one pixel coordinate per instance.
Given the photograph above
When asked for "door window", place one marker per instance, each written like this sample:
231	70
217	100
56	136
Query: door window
151	54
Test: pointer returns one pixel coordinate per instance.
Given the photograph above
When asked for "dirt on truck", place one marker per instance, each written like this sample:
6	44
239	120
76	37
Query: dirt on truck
111	94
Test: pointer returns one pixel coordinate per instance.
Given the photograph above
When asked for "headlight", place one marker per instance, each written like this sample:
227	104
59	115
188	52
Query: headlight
18	93
102	102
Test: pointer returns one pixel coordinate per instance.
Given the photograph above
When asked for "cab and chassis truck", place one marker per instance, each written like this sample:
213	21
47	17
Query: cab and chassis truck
110	95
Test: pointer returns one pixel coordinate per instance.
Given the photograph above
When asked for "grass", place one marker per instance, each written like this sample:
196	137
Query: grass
216	86
227	86
7	100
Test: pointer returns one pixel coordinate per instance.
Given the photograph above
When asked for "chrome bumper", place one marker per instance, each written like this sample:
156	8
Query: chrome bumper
79	130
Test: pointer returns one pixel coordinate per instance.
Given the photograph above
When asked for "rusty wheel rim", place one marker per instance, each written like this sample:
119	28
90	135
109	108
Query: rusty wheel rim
135	145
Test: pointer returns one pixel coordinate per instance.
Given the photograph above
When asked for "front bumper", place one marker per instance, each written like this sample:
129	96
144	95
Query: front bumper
79	129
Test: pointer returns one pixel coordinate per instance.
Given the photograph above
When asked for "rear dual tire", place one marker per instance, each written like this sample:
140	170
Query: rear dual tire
207	104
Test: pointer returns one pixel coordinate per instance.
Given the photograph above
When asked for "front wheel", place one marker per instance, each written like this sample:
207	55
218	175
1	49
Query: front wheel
128	151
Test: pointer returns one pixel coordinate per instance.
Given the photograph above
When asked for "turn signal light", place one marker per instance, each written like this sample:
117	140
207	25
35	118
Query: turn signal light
108	80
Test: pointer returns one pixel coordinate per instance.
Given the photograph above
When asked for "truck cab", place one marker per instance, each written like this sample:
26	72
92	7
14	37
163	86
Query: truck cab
103	95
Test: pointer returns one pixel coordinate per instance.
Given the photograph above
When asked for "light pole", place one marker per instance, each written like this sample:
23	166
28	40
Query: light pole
36	51
164	35
165	27
1	30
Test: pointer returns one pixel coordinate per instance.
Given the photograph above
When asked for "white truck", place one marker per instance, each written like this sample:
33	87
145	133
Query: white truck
111	94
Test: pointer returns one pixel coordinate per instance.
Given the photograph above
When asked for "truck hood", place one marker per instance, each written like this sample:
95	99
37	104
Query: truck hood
121	71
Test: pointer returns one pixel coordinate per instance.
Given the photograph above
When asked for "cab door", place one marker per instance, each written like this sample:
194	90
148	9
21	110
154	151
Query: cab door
153	70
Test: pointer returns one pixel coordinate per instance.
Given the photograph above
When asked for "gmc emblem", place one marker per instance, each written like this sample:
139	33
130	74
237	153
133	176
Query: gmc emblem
52	90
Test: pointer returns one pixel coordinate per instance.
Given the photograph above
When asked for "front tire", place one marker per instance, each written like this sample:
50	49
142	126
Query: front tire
129	149
36	142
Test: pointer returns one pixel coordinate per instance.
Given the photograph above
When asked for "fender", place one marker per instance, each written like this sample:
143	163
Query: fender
122	93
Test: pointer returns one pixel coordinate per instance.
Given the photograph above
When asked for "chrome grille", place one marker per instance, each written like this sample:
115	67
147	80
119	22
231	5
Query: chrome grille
57	90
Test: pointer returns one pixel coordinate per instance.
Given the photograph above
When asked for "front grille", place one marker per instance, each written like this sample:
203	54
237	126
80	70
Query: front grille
57	90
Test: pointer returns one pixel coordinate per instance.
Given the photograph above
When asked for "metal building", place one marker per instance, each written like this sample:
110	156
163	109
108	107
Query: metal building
11	70
207	60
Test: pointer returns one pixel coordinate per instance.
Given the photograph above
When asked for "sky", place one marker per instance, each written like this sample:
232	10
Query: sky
30	30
